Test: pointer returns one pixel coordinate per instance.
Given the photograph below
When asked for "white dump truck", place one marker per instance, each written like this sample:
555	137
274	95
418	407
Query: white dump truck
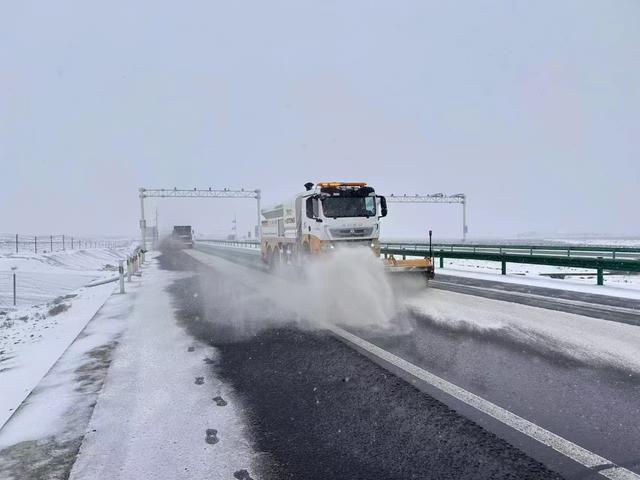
324	217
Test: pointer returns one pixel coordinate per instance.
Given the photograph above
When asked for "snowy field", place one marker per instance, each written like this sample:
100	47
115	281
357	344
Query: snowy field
540	272
54	306
43	277
559	241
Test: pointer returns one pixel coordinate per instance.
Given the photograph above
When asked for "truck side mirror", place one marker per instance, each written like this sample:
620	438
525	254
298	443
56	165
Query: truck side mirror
383	206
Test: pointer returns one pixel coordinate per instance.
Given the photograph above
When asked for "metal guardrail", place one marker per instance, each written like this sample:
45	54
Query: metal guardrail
229	243
600	259
630	253
597	263
19	243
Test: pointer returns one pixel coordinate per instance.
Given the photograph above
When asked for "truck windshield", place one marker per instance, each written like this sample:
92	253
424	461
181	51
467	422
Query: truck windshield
349	207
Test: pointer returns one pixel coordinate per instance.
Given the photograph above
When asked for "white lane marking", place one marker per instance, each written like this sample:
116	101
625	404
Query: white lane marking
577	303
565	447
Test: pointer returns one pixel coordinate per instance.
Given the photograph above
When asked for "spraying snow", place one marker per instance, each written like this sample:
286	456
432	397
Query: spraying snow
350	288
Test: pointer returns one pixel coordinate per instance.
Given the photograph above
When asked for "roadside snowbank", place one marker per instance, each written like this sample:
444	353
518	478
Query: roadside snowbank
612	289
589	340
43	277
32	340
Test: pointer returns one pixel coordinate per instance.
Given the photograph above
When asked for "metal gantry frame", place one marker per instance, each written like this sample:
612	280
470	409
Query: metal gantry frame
460	198
195	193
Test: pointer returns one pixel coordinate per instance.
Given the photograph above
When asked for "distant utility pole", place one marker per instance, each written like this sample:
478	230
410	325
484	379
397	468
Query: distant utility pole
156	234
234	227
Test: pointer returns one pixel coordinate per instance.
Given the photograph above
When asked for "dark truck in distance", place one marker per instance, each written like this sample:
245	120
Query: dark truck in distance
183	234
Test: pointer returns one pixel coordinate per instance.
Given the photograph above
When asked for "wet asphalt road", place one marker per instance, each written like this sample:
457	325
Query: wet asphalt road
320	410
594	406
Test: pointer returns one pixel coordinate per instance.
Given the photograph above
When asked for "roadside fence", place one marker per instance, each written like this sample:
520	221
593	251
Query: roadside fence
20	243
20	287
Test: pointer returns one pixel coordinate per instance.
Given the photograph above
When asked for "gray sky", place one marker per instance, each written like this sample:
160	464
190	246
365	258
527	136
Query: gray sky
531	108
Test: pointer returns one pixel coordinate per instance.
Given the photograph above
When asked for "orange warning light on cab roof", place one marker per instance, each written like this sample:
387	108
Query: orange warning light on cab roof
342	184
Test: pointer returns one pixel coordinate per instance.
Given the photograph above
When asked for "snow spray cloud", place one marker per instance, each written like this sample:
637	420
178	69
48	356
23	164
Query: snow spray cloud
349	287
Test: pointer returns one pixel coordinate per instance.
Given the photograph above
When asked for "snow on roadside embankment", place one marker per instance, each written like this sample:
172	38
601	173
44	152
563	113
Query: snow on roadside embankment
34	336
42	277
31	343
589	340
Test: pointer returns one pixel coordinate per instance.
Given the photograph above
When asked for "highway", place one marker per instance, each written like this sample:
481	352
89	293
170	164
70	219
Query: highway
319	408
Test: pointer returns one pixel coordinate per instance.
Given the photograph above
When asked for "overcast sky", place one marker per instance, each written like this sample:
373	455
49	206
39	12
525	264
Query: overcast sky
531	108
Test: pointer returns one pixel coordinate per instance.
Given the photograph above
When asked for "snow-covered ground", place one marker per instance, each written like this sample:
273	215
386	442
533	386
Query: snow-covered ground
42	437
36	333
136	365
539	272
43	277
32	340
612	242
151	418
589	340
561	241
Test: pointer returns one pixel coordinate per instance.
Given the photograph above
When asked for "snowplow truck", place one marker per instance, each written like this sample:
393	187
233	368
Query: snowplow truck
325	217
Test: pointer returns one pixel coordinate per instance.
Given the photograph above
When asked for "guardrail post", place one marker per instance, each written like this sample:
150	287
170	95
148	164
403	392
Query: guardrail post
121	273
441	259
14	289
504	267
128	269
600	274
16	243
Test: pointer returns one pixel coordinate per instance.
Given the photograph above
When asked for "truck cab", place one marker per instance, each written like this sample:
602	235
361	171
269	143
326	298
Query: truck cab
321	218
335	213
